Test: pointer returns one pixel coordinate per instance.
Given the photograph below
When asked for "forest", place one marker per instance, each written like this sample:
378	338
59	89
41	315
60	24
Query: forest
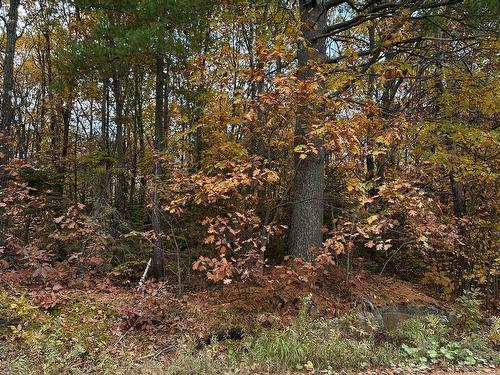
249	187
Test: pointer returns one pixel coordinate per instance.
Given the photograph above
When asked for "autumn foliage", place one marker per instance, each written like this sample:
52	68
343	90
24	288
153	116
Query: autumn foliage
180	135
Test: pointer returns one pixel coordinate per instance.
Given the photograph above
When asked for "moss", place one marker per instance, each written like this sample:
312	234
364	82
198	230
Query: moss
87	323
21	316
49	342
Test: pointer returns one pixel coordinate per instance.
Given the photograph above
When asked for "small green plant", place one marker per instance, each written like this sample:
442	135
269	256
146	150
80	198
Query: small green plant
424	332
467	312
494	331
430	340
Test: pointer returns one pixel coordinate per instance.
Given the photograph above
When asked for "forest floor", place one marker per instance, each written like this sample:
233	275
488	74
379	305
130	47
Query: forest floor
101	327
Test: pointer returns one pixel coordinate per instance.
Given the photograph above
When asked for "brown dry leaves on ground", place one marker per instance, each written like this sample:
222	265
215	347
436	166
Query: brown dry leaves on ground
156	315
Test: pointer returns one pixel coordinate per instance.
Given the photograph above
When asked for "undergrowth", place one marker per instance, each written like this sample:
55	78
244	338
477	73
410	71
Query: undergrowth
74	341
351	343
41	342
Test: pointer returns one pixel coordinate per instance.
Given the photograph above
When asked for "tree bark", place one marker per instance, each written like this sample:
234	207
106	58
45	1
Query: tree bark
7	110
308	184
370	157
142	144
119	146
458	191
457	188
136	114
157	266
54	131
65	109
102	178
8	85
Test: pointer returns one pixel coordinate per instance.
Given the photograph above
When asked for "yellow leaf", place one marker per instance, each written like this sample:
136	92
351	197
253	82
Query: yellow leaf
309	366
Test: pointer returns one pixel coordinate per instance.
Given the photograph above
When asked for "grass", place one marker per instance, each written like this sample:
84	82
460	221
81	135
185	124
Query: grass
37	341
73	340
348	344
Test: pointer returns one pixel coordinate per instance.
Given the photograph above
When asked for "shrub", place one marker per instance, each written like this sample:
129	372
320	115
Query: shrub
494	332
428	340
467	312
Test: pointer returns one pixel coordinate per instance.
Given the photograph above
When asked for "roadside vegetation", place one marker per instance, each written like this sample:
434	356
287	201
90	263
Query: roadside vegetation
79	338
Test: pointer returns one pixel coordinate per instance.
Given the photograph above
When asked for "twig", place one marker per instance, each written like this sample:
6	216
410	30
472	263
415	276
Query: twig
11	287
125	333
143	278
158	353
393	254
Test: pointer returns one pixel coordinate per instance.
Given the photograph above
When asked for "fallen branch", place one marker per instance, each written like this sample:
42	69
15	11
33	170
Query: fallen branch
143	278
158	352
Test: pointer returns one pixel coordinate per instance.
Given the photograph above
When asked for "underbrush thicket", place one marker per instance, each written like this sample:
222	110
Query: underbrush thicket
77	341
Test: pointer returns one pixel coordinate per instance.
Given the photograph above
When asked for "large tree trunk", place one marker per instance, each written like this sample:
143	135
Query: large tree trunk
7	112
307	214
157	266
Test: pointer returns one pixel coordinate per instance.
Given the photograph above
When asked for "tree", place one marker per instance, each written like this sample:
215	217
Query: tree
308	184
7	108
196	130
7	111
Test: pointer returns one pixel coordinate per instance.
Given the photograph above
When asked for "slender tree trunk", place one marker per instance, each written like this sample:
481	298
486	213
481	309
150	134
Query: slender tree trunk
54	131
119	146
7	111
370	158
43	100
105	115
166	104
308	184
66	119
91	119
157	267
102	179
142	144
133	178
457	188
75	163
